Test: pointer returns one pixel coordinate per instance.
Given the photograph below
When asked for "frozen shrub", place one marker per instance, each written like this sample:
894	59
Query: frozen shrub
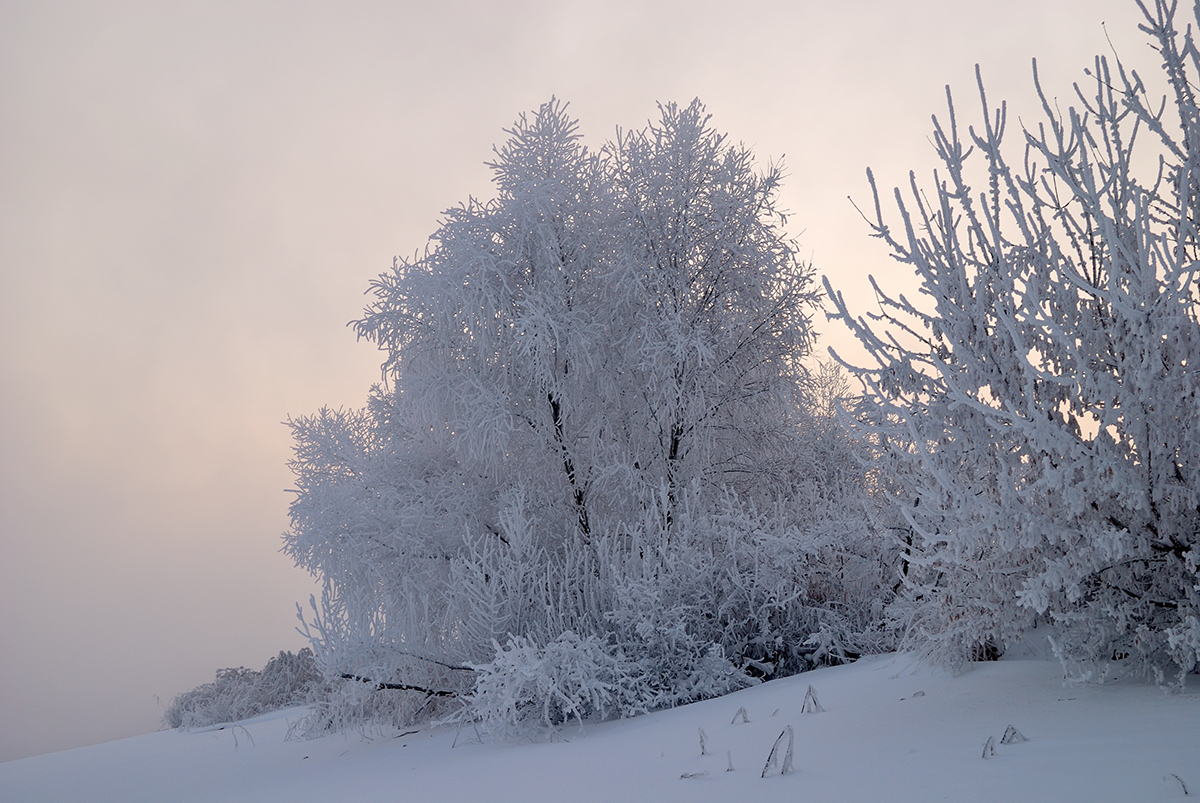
571	678
239	693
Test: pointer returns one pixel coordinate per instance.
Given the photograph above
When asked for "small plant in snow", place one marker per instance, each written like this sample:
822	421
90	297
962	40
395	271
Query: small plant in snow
775	756
703	742
989	747
1176	782
1012	736
811	704
741	712
245	730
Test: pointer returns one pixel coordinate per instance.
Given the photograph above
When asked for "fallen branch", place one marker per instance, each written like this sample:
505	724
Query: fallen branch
380	686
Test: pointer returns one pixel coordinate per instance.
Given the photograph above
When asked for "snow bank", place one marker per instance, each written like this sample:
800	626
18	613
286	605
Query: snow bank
889	731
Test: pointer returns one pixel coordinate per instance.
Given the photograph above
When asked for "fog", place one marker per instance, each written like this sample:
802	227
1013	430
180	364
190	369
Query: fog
194	196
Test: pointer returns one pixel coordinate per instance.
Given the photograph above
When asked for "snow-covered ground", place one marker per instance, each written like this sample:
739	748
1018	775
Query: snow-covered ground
890	731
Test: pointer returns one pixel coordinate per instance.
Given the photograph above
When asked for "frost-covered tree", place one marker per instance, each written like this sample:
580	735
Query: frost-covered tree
715	307
1040	409
595	449
481	439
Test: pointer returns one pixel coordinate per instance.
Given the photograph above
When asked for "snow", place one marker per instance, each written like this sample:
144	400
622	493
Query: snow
891	730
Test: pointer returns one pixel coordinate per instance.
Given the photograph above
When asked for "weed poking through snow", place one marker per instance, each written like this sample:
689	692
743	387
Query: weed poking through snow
811	704
1012	736
1178	782
786	767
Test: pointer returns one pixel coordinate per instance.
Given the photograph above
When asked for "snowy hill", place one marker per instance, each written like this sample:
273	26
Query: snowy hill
890	731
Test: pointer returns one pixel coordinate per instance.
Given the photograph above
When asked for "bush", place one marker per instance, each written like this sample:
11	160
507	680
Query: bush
238	693
569	678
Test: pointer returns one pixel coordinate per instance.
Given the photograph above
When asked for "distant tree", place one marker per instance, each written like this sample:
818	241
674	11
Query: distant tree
1041	413
586	444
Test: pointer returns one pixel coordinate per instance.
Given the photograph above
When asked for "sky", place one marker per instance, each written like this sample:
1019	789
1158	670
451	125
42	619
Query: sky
194	197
